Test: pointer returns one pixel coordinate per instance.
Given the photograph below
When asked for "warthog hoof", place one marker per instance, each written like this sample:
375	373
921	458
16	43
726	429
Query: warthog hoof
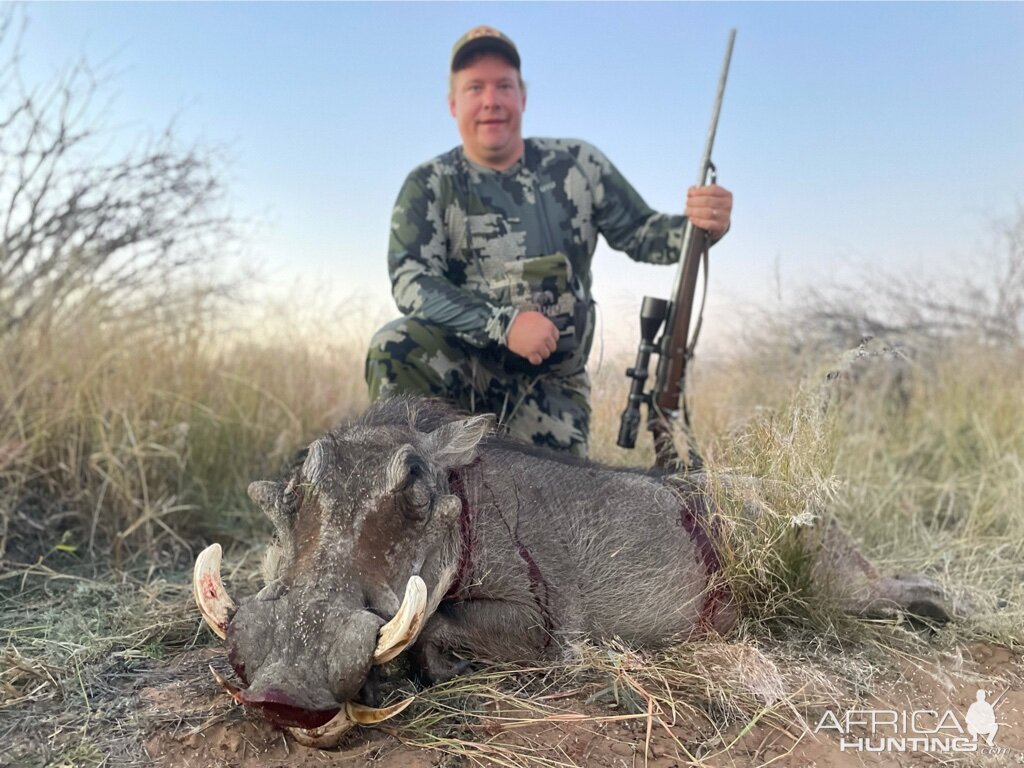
911	594
437	666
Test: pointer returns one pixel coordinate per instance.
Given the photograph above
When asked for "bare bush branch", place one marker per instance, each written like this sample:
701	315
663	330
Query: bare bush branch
982	302
82	224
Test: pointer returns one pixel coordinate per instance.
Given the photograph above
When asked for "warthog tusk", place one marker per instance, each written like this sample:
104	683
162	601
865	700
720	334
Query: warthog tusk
329	734
395	636
209	592
364	715
234	691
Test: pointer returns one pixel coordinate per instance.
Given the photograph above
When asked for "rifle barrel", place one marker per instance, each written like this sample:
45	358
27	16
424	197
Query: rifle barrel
702	171
719	95
668	385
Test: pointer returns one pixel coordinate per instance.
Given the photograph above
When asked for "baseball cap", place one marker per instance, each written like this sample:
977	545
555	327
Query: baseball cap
483	38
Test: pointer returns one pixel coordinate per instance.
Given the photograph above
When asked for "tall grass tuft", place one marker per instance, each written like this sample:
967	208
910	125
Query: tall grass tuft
923	470
140	439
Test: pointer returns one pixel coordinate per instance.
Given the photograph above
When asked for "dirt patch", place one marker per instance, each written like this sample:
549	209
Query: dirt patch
941	692
190	722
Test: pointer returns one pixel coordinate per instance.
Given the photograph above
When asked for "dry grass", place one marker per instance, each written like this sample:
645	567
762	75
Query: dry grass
687	694
135	444
138	441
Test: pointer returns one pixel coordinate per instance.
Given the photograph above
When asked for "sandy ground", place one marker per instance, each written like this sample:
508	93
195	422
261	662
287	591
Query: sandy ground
229	737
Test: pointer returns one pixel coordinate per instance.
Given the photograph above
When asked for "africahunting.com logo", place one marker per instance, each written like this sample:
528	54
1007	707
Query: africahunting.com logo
919	730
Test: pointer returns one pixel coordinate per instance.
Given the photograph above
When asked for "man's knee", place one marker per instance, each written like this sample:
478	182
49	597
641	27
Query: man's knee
410	356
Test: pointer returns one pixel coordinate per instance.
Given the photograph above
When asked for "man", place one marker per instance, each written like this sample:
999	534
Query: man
490	254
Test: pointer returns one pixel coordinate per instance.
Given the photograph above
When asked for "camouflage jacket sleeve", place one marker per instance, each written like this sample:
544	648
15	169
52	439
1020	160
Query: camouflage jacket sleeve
622	216
422	281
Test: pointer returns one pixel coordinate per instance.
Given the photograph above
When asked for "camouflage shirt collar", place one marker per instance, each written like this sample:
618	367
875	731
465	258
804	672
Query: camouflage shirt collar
526	160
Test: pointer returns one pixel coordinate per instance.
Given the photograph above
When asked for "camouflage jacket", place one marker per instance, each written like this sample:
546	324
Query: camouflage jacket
457	226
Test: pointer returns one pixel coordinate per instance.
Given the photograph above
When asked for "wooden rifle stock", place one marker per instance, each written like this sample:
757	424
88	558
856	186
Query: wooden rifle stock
674	348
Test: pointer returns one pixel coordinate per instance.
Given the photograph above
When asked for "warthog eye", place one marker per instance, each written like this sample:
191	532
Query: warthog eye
413	496
415	470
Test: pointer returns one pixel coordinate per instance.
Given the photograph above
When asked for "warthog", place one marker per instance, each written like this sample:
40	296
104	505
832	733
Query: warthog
503	552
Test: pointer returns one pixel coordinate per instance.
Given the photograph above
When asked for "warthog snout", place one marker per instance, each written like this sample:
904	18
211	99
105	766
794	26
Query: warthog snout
303	661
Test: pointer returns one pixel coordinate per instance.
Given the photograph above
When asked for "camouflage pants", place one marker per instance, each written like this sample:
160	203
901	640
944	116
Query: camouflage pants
548	404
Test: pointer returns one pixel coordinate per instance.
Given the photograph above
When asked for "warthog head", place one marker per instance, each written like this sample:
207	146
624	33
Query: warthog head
368	517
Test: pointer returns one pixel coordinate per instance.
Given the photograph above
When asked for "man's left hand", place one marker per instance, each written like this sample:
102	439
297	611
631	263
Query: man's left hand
710	208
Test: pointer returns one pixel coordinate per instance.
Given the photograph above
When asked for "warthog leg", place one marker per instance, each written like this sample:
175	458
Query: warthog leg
914	594
486	629
837	563
862	590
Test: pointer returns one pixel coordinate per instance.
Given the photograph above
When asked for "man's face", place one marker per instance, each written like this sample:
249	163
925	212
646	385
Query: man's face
487	102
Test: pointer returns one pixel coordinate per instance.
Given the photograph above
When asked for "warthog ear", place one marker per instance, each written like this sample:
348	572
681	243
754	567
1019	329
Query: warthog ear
454	444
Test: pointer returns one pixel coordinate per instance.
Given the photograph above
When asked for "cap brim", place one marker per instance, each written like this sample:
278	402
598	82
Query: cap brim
485	44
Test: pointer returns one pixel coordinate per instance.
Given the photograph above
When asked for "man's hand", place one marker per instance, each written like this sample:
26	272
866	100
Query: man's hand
532	336
710	208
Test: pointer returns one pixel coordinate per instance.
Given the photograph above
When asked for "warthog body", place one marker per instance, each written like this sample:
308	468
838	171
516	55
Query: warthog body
521	551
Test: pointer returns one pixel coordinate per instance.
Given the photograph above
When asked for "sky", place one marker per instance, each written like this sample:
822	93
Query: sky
856	137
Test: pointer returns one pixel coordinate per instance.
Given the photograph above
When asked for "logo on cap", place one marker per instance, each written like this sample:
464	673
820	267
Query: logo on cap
482	31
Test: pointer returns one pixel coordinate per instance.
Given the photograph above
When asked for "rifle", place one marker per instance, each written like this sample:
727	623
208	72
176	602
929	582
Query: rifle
675	347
